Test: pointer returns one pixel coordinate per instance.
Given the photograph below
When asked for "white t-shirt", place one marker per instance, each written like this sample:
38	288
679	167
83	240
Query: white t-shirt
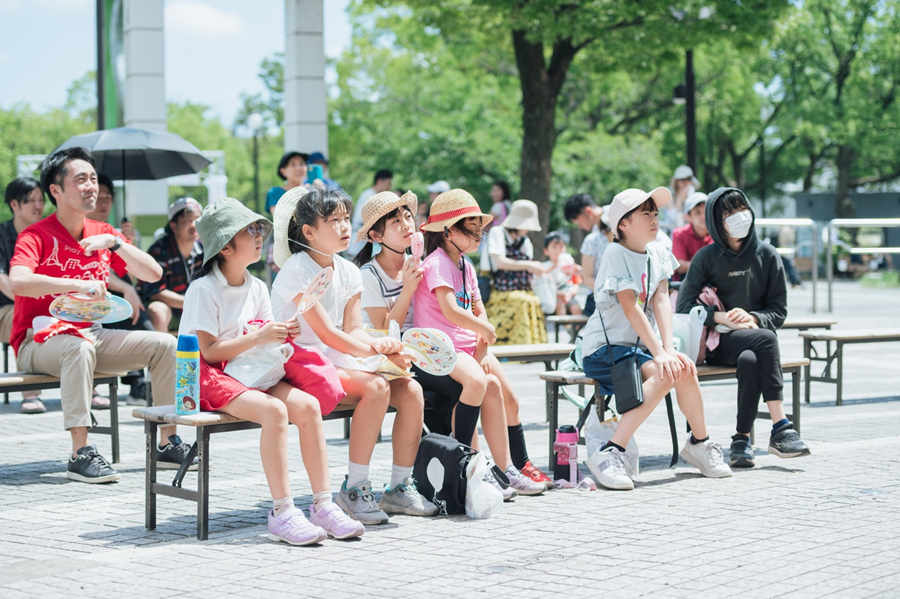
623	269
356	222
214	306
381	291
498	239
293	279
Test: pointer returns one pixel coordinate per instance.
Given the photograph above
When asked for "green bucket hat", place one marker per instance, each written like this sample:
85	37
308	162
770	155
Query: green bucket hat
221	221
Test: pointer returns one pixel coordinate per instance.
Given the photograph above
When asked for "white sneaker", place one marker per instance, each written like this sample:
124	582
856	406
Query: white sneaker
509	493
523	484
706	456
609	467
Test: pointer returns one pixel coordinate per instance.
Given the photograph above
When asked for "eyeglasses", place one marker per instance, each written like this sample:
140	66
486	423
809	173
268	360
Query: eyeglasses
257	229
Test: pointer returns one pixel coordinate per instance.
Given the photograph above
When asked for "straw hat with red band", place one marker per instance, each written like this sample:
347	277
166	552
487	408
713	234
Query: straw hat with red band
452	206
380	204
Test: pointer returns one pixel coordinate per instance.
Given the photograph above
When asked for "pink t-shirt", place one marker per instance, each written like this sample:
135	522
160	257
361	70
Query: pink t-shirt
440	271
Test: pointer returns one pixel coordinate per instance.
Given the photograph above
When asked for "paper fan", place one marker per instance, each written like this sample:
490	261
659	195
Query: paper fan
430	350
417	245
316	289
76	307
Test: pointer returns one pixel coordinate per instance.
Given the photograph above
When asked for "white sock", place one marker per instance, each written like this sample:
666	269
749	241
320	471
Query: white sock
356	474
399	474
280	505
321	499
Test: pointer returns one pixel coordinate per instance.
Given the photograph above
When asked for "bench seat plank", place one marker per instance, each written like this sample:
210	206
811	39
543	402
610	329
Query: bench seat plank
167	415
536	352
808	323
12	379
856	335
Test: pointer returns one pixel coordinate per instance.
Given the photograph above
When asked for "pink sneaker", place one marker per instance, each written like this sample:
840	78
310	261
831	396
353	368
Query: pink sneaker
293	527
336	523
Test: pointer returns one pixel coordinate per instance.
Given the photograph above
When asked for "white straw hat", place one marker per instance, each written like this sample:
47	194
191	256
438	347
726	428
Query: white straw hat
283	213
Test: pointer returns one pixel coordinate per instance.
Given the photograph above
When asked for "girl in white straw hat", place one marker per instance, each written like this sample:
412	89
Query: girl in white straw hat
311	228
448	299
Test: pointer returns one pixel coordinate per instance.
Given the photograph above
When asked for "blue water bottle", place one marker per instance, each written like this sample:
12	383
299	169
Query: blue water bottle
187	375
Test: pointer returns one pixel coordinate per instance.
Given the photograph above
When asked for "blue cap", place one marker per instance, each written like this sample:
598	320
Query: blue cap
188	343
317	157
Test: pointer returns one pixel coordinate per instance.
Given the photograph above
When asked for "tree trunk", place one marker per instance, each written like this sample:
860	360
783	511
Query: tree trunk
541	86
844	205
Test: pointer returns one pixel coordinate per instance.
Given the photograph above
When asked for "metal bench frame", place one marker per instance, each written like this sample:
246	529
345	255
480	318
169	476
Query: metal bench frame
836	357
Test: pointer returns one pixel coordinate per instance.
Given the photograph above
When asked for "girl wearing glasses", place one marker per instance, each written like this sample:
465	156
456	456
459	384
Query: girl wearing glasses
229	312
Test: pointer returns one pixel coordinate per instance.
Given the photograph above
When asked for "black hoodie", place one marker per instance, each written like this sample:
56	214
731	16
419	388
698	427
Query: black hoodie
751	278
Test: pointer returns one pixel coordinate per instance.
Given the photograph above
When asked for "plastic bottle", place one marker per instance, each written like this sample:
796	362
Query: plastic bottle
566	449
187	375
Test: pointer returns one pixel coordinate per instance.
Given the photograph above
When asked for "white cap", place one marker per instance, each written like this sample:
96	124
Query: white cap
685	172
628	200
438	187
182	203
693	200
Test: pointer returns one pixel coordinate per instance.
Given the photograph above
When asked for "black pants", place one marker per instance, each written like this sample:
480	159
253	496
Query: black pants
589	305
135	378
443	393
756	354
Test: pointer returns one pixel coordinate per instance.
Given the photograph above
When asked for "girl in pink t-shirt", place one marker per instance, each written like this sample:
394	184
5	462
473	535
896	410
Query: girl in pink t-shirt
448	299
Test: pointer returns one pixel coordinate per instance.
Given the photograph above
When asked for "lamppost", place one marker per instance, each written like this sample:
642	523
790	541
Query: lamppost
255	123
685	94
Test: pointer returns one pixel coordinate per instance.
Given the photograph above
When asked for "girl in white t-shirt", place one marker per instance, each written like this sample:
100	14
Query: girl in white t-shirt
632	296
229	312
310	229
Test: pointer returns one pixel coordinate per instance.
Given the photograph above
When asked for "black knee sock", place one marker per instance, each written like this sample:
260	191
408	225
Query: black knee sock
466	422
517	450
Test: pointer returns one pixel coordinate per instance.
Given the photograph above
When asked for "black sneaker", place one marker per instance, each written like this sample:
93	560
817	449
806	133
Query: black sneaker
173	454
741	453
90	467
786	443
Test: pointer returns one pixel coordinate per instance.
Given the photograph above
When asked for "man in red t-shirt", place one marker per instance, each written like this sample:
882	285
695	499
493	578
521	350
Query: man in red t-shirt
687	240
66	253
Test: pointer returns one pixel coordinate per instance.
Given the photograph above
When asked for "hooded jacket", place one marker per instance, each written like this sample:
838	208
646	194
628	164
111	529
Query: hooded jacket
751	278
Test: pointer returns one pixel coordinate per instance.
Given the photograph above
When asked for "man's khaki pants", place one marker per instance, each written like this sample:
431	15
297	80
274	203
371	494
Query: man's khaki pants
74	360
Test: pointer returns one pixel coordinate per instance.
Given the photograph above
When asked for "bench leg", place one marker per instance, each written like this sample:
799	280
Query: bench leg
795	395
150	476
114	419
556	331
346	428
552	416
670	412
203	484
807	353
840	372
5	369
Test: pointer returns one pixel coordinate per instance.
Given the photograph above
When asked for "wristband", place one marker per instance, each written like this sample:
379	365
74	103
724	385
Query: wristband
117	245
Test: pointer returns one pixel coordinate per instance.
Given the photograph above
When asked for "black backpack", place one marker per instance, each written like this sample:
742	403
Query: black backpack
452	459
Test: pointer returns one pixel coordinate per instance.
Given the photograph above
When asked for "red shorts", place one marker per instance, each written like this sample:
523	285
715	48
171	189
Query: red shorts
308	370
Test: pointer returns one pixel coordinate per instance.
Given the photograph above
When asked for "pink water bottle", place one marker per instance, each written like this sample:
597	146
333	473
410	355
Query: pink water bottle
566	450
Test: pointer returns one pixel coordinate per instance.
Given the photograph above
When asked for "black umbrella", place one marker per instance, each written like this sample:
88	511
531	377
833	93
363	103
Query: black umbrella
133	154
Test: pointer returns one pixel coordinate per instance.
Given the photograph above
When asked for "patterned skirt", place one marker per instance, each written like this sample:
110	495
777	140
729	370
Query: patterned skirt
517	316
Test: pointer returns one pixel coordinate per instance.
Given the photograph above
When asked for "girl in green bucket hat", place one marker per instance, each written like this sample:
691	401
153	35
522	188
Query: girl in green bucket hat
229	311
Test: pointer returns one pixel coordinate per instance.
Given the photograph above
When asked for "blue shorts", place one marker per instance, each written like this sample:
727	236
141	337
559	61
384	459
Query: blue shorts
597	365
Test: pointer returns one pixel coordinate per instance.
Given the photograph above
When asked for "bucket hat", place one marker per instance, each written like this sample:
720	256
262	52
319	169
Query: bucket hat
523	215
383	203
628	200
221	221
452	206
283	213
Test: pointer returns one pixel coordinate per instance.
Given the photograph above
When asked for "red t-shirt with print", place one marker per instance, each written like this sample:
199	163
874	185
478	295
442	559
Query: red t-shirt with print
47	248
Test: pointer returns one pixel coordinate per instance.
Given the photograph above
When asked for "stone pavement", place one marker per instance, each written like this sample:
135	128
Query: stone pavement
825	525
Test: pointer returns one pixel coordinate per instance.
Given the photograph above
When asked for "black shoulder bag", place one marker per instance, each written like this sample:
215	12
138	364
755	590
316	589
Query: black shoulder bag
626	375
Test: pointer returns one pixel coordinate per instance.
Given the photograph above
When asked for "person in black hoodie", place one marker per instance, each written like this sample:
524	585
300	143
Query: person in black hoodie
748	277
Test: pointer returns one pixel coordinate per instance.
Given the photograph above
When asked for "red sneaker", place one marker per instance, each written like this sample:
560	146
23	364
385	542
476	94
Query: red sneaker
536	475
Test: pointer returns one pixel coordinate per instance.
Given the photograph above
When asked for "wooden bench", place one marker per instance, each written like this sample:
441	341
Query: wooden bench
706	373
207	424
806	323
574	322
17	382
840	339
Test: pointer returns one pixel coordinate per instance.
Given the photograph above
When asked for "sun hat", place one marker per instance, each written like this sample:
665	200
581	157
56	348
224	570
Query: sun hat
182	203
221	221
451	206
523	216
438	187
383	203
628	200
693	200
685	172
283	213
286	157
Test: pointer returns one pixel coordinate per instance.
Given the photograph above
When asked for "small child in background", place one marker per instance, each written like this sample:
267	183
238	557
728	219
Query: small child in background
565	273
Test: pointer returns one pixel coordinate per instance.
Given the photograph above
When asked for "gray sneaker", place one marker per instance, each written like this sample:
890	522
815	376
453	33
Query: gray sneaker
507	491
359	503
405	499
523	484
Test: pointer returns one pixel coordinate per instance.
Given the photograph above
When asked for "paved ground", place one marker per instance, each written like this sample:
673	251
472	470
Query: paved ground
826	525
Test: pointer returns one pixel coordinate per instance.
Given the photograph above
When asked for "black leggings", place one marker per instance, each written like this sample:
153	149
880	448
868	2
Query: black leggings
756	354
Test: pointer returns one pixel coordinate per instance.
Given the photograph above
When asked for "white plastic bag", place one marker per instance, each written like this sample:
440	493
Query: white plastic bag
689	329
544	287
597	434
261	367
482	499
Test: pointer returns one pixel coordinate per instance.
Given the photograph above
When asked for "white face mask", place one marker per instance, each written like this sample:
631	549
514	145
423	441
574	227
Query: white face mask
738	224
